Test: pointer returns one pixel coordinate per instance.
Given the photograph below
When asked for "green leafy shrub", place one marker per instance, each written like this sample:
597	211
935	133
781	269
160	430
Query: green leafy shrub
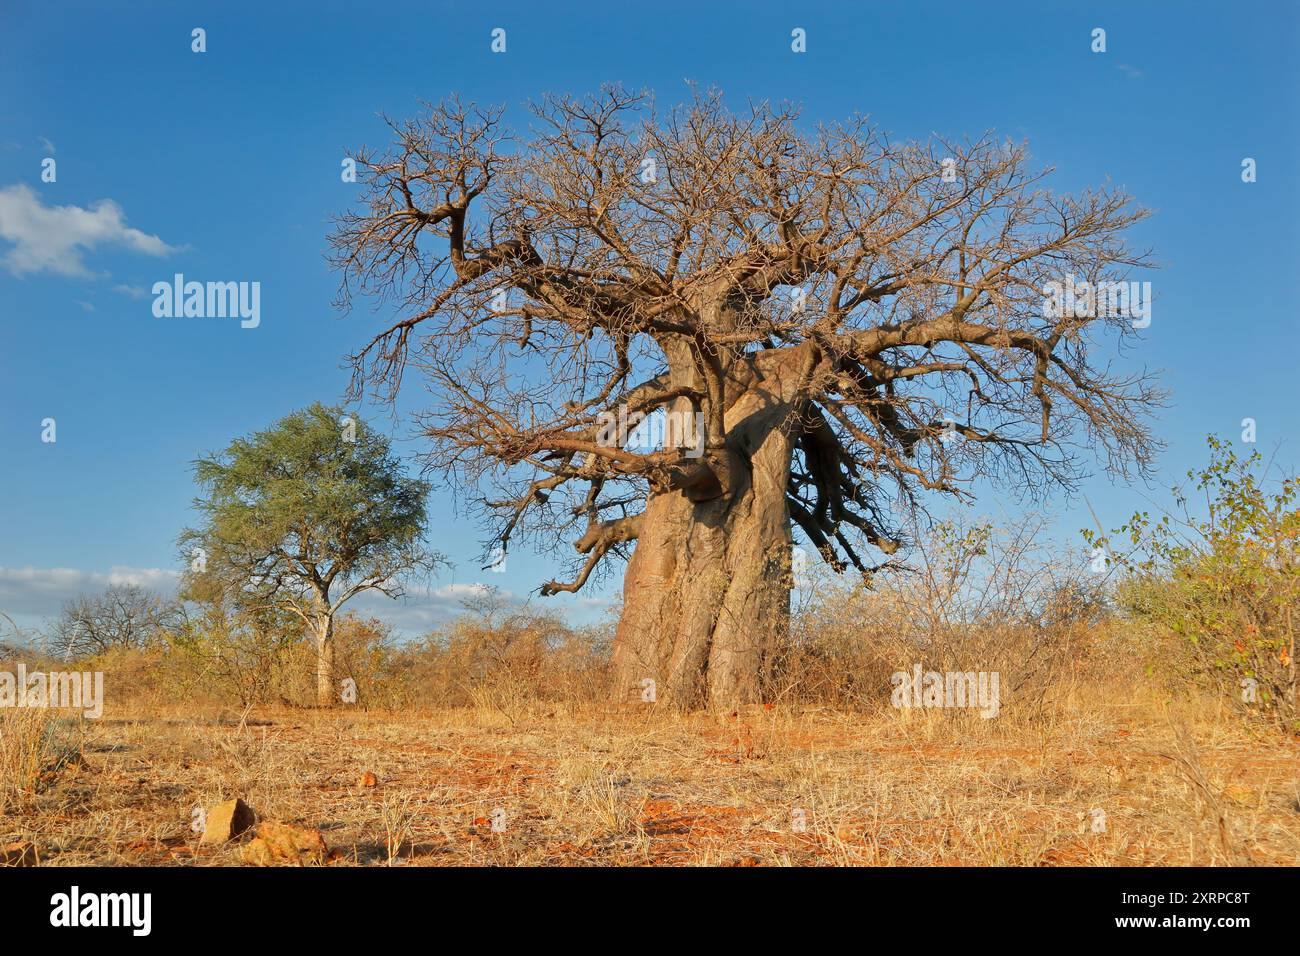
1225	583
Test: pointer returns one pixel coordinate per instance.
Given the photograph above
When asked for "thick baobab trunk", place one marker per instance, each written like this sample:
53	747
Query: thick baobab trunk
706	600
706	597
325	695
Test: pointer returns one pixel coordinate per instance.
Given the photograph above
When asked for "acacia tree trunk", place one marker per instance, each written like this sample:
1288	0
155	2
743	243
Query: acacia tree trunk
706	596
325	660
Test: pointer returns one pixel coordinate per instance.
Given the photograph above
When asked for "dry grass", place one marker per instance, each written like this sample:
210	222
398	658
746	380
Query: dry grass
35	748
1103	751
1177	780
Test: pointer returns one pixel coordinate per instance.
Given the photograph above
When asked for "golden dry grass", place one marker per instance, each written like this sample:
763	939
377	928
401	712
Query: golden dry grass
1179	782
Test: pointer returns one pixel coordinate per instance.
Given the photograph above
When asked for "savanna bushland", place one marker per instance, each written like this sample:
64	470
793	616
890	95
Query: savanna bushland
842	336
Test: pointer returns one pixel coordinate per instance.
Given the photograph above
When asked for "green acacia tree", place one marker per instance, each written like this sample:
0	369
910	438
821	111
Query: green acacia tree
304	516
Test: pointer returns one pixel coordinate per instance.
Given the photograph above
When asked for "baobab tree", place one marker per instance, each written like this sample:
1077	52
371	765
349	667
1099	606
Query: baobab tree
845	328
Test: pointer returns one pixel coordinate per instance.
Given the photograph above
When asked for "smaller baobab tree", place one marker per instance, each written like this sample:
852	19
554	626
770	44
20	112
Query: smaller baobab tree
303	517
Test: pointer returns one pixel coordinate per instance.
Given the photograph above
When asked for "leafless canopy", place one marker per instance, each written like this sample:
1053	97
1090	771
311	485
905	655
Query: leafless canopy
618	256
122	616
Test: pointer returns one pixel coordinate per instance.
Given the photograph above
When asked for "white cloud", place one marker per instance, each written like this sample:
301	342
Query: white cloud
134	291
55	238
423	608
42	591
32	596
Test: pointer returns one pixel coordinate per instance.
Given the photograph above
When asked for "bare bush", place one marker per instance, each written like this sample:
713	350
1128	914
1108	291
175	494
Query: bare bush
122	616
975	598
506	659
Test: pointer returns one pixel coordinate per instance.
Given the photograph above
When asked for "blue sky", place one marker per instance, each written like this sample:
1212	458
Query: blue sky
226	166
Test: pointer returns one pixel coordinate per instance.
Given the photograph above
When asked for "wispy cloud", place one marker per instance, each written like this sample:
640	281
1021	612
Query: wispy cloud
46	144
134	291
38	592
55	238
1132	72
423	609
30	595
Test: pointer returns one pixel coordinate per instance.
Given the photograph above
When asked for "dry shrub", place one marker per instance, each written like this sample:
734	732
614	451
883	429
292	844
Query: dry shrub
505	661
219	658
35	742
974	598
230	655
26	748
498	658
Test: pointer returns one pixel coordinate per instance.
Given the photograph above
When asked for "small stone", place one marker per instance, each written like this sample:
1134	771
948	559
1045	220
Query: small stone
22	853
279	844
226	821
